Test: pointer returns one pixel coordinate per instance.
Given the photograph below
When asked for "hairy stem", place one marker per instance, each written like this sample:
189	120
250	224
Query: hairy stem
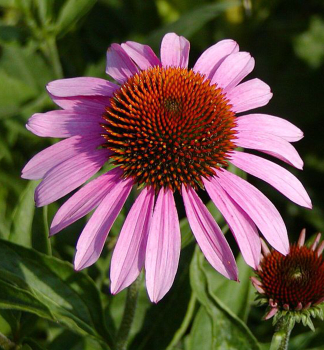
128	316
280	339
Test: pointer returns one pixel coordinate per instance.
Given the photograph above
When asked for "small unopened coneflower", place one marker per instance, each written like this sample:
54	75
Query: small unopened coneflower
292	285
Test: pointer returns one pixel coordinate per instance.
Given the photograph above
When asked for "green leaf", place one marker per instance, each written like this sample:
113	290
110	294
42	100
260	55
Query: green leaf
238	297
23	76
7	3
191	22
69	341
22	218
26	65
45	10
50	288
71	12
13	92
228	331
9	33
202	330
309	45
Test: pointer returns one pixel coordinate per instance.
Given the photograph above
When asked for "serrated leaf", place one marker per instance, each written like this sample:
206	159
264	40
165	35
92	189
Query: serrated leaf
50	288
71	12
228	331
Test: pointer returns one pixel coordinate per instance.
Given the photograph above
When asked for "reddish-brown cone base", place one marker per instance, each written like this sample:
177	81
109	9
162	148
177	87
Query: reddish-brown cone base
169	126
294	281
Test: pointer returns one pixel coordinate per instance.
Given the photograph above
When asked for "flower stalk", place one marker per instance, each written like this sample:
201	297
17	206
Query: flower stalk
128	316
280	339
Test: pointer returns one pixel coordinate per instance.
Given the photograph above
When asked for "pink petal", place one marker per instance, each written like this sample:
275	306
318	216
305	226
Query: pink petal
129	254
68	175
258	207
242	227
211	59
64	124
142	55
163	247
119	65
93	236
208	235
275	175
251	94
84	200
175	51
270	144
50	157
94	104
271	125
233	69
83	86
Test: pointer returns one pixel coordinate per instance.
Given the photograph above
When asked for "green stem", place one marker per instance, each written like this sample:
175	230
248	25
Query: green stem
128	316
48	247
281	336
51	52
185	324
6	343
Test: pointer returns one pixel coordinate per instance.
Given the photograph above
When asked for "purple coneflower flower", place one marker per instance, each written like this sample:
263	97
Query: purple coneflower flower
294	282
166	128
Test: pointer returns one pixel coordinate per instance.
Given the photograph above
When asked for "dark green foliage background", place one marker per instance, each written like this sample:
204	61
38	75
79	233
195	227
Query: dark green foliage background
44	303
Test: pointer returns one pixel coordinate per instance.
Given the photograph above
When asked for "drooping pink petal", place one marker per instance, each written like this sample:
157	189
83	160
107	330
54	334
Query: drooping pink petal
233	69
251	94
83	86
85	199
51	156
119	65
258	207
270	144
68	175
211	59
142	55
94	104
129	254
94	235
163	247
64	123
208	235
242	227
271	125
277	176
175	51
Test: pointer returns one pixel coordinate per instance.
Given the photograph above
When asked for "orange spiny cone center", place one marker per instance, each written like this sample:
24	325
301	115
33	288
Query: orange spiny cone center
169	126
